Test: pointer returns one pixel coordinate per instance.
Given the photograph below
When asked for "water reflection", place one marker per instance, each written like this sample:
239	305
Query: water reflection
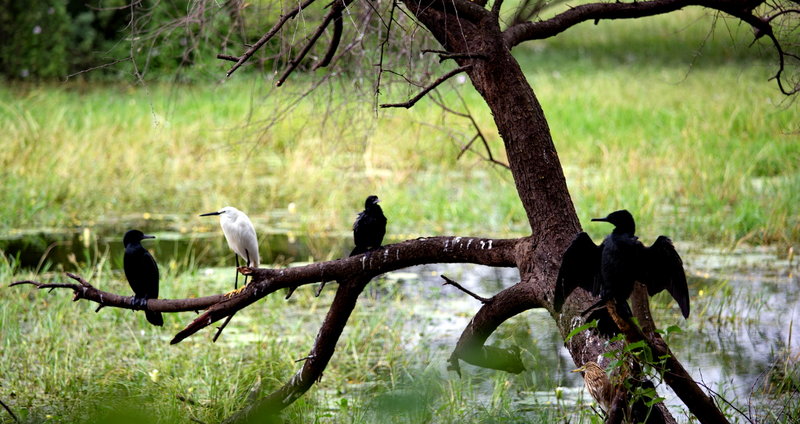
182	246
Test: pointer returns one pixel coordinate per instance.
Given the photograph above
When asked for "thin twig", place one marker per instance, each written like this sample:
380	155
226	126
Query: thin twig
10	412
463	289
222	327
228	57
106	65
319	290
266	37
384	42
427	89
335	11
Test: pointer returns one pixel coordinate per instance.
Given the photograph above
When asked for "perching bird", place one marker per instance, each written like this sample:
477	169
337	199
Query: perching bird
241	236
369	227
611	269
142	273
597	383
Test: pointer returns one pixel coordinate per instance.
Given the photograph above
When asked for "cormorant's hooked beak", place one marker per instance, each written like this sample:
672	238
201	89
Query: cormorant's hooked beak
211	214
600	219
148	237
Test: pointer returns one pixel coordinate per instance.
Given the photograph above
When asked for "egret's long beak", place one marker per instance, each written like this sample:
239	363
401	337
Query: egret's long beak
148	237
581	369
211	213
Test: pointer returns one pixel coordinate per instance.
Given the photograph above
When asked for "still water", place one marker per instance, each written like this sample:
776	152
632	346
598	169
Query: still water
744	305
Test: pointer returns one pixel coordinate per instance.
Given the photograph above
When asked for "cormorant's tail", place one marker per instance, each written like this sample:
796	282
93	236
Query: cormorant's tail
358	250
154	318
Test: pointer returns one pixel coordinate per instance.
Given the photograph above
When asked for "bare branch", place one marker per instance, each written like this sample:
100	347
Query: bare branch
444	55
10	412
336	11
222	327
105	65
530	30
228	57
448	281
271	33
84	290
336	38
427	89
478	133
538	30
491	252
496	7
470	346
317	360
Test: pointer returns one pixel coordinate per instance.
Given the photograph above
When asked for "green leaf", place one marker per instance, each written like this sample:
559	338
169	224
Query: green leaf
633	346
674	329
654	401
592	324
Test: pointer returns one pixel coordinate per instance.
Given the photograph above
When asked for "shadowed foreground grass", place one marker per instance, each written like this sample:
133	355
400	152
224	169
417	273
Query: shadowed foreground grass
61	362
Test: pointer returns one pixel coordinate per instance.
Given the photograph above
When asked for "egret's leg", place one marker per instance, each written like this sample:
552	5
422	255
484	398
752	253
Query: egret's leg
236	280
247	253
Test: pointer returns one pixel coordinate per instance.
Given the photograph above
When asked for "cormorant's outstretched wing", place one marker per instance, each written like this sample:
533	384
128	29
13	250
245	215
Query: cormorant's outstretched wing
579	267
663	269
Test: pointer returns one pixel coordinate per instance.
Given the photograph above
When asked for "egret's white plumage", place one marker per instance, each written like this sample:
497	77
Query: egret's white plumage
240	234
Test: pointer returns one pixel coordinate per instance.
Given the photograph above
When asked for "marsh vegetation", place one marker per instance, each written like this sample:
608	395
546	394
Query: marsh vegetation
647	123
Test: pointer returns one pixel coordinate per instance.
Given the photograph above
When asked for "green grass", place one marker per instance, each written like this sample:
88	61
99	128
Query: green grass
699	146
62	362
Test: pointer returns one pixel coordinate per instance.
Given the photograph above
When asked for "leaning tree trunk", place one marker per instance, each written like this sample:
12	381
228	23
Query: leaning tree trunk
534	164
542	189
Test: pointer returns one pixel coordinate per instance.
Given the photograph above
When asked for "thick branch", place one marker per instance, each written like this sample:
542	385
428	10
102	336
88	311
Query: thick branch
470	347
530	30
550	27
491	252
324	346
675	375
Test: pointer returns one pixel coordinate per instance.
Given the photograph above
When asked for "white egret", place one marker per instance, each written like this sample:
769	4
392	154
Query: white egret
241	236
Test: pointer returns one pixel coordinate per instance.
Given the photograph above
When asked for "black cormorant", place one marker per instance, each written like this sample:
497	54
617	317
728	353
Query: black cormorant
369	228
142	273
611	269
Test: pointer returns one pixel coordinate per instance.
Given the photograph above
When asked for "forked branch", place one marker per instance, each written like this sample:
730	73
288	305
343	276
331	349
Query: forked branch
268	36
334	14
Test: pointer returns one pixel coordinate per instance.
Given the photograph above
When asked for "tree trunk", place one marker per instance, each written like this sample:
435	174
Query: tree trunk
541	187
